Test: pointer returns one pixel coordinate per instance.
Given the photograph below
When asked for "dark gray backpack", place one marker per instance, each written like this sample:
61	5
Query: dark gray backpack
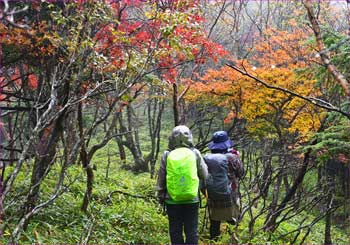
217	183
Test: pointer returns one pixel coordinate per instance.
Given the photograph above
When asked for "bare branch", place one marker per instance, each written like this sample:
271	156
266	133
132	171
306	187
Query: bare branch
325	57
148	197
7	15
59	190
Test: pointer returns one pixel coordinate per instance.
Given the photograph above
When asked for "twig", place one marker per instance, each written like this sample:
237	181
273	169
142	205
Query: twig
148	197
317	102
325	56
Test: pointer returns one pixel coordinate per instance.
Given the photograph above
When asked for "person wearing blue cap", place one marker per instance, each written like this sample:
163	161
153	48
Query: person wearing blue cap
225	169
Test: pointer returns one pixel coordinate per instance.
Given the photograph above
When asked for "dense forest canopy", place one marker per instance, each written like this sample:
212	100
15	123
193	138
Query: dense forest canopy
90	90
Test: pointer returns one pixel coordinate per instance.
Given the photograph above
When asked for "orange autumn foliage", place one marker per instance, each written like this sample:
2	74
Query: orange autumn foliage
267	111
283	49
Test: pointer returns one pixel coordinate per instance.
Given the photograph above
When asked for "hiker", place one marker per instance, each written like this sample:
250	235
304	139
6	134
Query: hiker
181	169
225	169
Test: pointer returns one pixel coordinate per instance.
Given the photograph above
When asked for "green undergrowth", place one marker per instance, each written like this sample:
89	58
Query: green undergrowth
287	231
123	210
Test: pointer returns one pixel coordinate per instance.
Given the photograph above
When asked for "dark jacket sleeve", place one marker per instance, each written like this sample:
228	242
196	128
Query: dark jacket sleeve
161	181
202	168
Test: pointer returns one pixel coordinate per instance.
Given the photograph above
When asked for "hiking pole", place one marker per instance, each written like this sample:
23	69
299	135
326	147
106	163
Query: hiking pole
207	208
164	207
205	218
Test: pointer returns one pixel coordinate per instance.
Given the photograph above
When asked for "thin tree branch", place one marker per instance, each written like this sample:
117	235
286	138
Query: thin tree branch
317	102
148	197
325	57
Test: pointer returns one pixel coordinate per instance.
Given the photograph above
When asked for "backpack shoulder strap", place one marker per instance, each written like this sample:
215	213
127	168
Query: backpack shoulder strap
202	185
195	151
165	156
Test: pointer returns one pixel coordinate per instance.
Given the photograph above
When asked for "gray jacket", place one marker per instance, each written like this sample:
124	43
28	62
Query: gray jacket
181	136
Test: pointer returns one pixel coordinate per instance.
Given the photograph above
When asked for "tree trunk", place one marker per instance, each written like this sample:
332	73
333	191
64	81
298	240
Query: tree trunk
267	174
329	203
131	142
319	177
108	163
271	224
347	195
325	55
155	108
273	205
327	232
89	187
47	153
122	154
176	105
347	180
11	141
85	161
286	181
140	164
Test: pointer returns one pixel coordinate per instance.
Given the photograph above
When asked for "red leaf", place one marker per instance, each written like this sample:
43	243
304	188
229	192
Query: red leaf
32	81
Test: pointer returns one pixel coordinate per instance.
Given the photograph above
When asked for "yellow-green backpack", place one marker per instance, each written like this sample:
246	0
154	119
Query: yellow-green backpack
181	175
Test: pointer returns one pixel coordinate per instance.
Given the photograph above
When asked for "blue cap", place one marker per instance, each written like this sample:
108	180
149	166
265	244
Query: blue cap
220	141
